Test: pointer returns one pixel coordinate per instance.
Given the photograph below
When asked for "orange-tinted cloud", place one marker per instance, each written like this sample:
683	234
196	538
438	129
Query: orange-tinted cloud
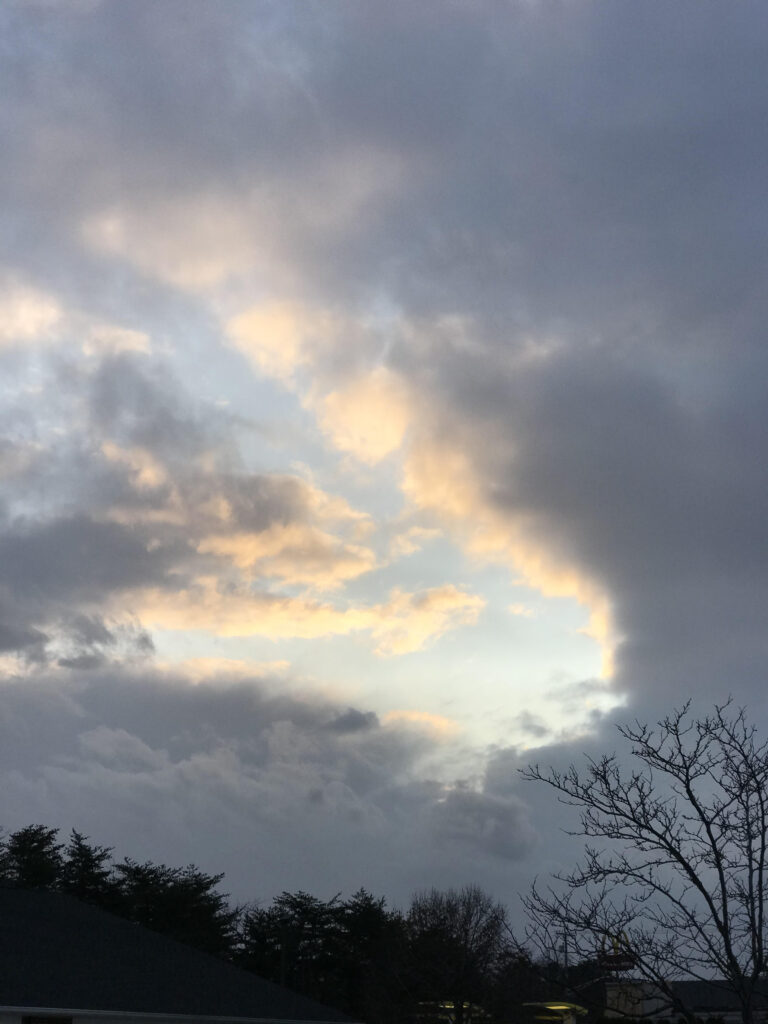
368	416
146	470
26	313
295	553
442	479
437	725
408	622
194	242
405	623
412	539
278	338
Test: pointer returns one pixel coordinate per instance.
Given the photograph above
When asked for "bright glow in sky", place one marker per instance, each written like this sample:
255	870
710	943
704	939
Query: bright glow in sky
382	392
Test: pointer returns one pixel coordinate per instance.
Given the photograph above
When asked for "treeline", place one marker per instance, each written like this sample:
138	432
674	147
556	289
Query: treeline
376	963
181	902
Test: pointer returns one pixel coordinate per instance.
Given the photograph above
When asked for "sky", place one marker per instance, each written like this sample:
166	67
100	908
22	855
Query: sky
383	406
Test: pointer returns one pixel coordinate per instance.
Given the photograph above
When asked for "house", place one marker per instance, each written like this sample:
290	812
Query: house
65	962
704	999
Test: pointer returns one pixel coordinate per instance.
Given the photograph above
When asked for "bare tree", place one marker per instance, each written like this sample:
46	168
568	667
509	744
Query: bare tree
675	886
456	939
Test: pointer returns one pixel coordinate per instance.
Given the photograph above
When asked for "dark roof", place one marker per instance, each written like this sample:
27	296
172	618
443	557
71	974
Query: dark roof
714	996
56	952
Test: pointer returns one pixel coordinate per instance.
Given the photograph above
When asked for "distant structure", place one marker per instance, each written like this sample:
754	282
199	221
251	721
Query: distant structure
642	1000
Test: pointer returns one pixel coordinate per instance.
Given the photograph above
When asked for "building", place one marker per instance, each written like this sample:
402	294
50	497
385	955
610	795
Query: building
65	962
706	1000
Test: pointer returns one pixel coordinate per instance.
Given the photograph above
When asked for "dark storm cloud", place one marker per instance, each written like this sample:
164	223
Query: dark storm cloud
482	821
531	725
79	558
603	190
238	777
660	499
17	638
578	159
353	720
582	186
134	407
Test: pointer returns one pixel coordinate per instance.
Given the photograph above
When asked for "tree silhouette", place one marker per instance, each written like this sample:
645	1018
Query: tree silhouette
456	941
180	902
87	873
677	882
293	942
373	959
31	857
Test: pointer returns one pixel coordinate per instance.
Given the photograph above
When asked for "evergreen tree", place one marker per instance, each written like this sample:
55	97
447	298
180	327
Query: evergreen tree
350	954
181	902
353	953
31	857
373	960
87	872
293	942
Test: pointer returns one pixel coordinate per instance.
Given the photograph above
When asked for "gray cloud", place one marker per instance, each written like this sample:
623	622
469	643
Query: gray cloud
482	821
17	638
581	189
131	407
235	777
353	720
121	482
80	557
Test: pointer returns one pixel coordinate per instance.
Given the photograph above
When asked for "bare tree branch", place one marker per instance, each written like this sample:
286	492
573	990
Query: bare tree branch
679	869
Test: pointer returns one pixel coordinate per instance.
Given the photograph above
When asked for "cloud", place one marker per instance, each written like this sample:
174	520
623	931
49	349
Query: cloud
412	539
195	244
451	472
31	316
148	518
190	761
437	724
295	553
202	239
401	625
521	610
408	621
279	338
532	293
26	313
146	471
532	725
353	720
492	824
333	361
105	337
78	558
368	417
